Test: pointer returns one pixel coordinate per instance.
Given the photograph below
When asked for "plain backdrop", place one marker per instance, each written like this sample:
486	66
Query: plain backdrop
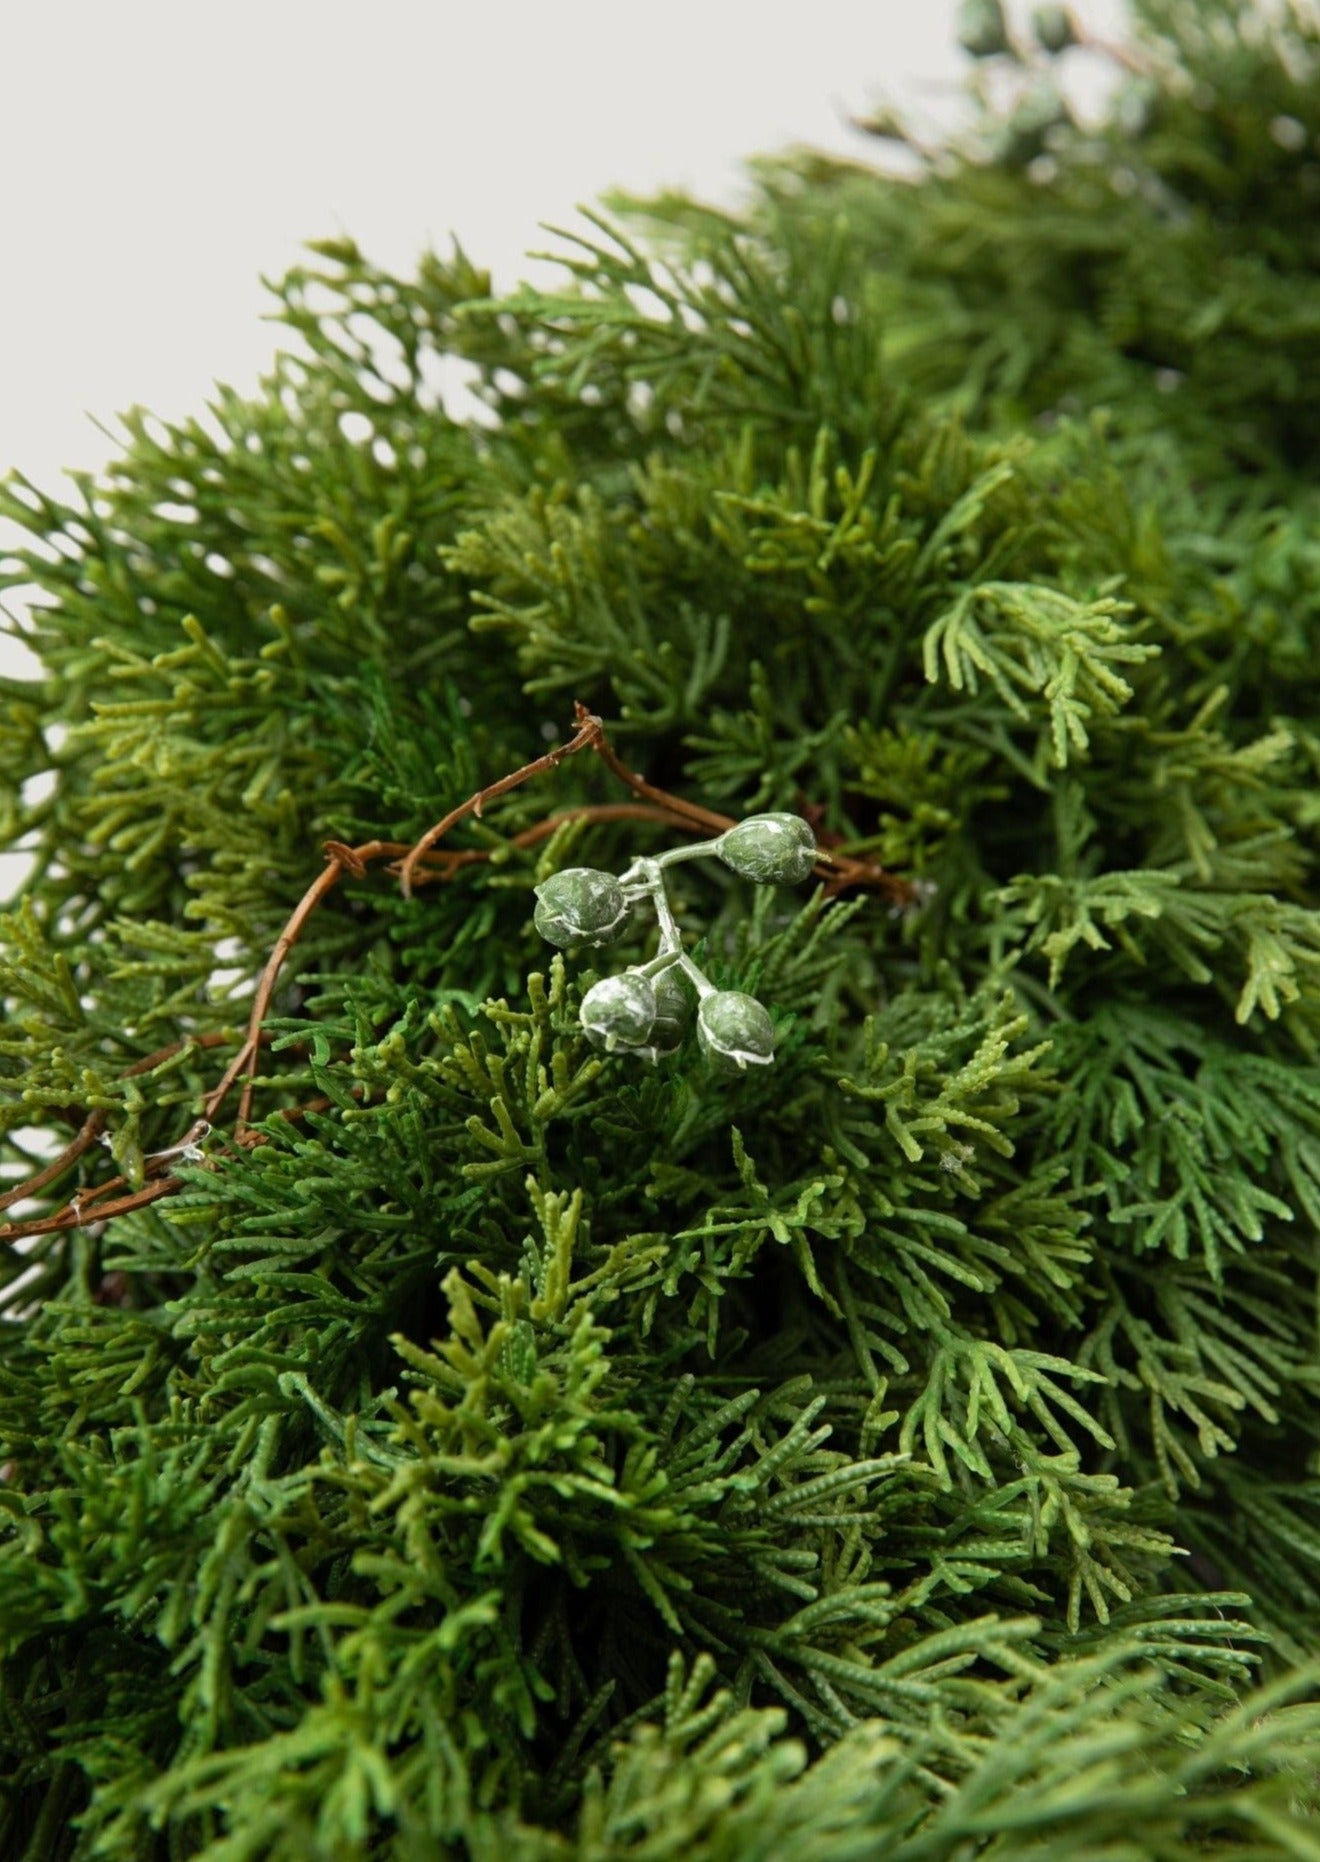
161	158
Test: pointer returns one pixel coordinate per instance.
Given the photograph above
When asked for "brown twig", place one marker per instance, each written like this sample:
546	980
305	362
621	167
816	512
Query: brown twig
702	818
87	1136
94	1123
1127	56
590	731
839	870
443	863
355	860
75	1213
412	867
321	886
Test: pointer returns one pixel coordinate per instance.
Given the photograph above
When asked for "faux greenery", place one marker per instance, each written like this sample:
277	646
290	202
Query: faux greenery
625	1013
427	1435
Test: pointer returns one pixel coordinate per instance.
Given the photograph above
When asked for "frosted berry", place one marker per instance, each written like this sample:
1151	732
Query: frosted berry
581	906
982	29
619	1011
673	1013
1052	28
773	850
735	1030
1039	111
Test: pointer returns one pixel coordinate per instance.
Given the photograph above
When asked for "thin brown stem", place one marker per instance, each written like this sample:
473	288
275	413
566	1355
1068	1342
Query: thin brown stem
324	883
91	1130
1127	56
77	1213
412	867
94	1123
840	871
702	818
443	863
589	733
341	859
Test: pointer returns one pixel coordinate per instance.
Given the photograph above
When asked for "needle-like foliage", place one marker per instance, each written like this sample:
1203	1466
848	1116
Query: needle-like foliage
472	1444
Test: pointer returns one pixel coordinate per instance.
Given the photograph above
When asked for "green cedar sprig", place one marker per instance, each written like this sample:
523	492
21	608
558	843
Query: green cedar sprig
905	1449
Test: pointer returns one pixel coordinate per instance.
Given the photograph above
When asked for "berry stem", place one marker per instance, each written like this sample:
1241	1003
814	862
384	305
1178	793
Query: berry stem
665	959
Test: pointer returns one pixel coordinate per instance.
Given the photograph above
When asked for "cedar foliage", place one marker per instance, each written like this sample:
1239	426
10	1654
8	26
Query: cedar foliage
907	1451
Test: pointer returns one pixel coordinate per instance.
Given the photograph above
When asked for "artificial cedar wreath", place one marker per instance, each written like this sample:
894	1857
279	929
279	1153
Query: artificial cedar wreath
426	1434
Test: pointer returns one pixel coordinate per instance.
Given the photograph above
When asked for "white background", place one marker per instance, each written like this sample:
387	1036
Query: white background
159	158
